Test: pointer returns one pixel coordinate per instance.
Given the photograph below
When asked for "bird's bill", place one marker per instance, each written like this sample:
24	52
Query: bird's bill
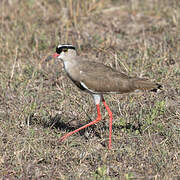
55	55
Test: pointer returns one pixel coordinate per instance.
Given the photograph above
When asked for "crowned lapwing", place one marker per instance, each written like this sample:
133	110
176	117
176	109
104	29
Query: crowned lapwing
98	79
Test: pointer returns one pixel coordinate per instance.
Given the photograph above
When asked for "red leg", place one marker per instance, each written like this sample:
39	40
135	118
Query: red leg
110	122
85	126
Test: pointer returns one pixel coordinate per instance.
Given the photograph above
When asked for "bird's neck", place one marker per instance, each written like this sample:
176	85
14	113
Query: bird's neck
69	65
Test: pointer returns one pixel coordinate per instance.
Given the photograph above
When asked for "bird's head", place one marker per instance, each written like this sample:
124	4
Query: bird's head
65	52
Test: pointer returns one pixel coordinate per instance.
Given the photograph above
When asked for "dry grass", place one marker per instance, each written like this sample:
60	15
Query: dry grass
38	103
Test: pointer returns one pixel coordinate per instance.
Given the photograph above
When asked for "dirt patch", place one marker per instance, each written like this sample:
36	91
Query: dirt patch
38	103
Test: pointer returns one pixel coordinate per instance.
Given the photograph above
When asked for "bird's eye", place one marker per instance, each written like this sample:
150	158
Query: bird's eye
65	50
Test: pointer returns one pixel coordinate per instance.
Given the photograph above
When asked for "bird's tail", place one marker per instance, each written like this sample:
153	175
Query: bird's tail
144	84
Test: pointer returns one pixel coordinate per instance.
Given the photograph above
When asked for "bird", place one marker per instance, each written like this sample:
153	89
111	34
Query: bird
98	79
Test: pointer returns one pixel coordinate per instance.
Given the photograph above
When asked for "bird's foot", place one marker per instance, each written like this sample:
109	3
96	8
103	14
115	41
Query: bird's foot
62	138
65	136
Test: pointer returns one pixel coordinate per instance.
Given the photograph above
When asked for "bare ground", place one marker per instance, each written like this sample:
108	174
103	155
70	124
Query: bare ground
39	104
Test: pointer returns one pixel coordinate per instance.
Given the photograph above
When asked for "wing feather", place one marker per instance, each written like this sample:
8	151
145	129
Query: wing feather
101	78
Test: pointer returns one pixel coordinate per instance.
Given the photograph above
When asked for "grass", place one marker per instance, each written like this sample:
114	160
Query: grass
39	104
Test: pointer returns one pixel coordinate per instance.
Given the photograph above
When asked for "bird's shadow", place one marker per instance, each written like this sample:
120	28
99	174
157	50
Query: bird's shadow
57	123
129	126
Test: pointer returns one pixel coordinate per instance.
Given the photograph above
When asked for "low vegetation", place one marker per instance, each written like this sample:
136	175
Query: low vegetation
39	104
